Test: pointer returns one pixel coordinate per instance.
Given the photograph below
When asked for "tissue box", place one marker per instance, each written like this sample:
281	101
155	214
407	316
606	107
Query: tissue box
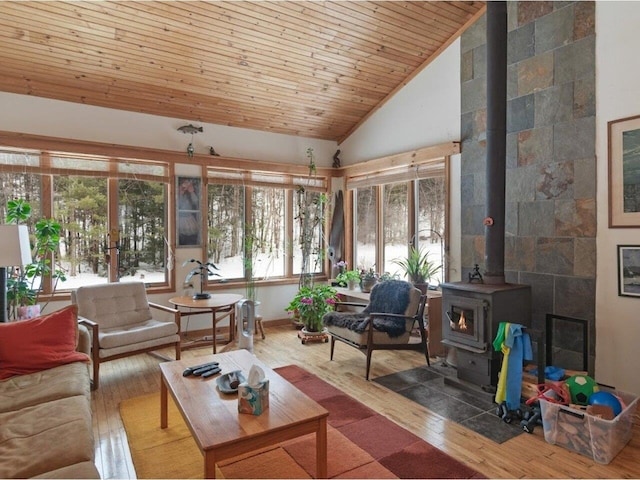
254	400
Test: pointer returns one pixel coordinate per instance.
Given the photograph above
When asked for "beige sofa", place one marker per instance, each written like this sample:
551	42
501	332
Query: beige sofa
45	422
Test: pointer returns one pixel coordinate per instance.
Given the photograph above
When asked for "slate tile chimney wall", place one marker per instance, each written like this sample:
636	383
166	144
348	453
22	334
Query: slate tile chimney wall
551	170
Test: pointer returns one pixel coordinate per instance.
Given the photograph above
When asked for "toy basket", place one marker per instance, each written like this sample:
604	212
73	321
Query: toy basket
586	434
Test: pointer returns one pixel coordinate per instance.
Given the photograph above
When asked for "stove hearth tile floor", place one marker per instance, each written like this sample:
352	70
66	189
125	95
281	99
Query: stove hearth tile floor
427	387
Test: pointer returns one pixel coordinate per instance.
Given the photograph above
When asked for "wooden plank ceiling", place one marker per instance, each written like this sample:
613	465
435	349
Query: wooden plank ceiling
307	68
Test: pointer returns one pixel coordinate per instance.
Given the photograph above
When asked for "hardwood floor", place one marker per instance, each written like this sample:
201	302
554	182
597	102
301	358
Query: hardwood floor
526	456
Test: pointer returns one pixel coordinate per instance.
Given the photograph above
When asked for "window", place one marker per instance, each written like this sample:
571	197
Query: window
395	208
80	205
365	227
431	220
268	222
258	214
112	212
142	213
225	229
313	218
398	202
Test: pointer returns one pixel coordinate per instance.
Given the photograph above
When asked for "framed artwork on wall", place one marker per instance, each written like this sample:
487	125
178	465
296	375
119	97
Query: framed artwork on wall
629	270
624	172
189	216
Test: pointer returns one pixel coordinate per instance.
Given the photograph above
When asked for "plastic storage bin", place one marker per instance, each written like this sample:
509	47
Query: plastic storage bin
591	436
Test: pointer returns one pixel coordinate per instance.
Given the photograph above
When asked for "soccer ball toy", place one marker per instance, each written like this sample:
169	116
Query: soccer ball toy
581	387
607	399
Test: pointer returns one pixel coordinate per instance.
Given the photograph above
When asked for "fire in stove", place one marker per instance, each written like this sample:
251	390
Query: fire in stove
462	323
466	322
460	320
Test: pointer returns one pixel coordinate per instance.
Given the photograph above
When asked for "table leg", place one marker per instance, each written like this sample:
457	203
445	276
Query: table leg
321	448
163	403
214	314
209	464
232	323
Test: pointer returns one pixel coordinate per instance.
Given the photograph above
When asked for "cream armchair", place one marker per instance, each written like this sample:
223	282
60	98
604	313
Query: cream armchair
121	323
395	308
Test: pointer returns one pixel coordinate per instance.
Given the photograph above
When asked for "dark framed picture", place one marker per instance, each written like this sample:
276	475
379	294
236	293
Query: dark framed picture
624	172
189	216
629	270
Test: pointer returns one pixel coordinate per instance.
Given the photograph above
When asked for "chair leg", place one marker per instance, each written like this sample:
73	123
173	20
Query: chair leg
259	325
178	351
96	374
369	352
333	343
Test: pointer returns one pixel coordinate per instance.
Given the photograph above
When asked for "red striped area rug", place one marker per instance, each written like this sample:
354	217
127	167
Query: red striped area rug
361	443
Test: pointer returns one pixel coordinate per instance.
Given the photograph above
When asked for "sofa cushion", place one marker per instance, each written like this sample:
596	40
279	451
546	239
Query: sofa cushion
43	342
64	381
113	305
77	470
45	437
135	333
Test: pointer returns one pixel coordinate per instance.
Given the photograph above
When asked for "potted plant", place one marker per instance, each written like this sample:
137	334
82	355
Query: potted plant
311	303
21	284
368	278
312	300
348	278
418	268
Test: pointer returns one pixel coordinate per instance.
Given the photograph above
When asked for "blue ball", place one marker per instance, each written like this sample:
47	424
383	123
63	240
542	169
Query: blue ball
606	399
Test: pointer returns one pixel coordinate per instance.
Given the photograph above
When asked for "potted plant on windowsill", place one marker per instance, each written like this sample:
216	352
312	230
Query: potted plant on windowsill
348	279
418	268
21	283
368	278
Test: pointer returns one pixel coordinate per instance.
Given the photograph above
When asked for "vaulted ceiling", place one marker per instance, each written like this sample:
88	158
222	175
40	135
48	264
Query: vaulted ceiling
307	68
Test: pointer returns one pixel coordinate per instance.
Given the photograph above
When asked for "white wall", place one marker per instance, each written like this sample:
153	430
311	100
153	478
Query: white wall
425	112
617	94
41	116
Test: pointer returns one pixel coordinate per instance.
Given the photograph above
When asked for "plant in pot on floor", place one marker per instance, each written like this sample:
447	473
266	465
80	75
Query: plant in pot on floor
418	268
312	300
311	303
22	291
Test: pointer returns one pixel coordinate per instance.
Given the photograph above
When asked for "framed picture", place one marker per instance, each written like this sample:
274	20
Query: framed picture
629	270
189	216
624	172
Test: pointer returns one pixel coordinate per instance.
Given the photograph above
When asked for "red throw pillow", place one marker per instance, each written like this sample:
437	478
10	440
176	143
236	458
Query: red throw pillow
44	342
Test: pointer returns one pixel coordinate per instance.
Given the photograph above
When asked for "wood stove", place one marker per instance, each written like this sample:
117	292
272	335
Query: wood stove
471	313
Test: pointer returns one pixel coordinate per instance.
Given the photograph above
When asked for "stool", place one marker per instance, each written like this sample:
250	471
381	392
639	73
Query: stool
259	325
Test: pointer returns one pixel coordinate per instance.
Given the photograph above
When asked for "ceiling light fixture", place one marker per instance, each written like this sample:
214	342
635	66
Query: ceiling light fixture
190	129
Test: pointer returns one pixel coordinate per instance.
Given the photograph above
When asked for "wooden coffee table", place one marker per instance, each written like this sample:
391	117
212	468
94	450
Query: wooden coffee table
217	427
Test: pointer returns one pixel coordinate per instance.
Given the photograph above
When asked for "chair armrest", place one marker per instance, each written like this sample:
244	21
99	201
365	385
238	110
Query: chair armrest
393	315
94	329
163	308
339	305
90	324
174	311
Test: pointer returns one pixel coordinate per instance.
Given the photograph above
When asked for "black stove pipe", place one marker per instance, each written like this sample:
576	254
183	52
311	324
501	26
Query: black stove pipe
496	141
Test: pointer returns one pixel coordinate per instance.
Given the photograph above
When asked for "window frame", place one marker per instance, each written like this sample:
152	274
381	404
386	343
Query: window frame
408	167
